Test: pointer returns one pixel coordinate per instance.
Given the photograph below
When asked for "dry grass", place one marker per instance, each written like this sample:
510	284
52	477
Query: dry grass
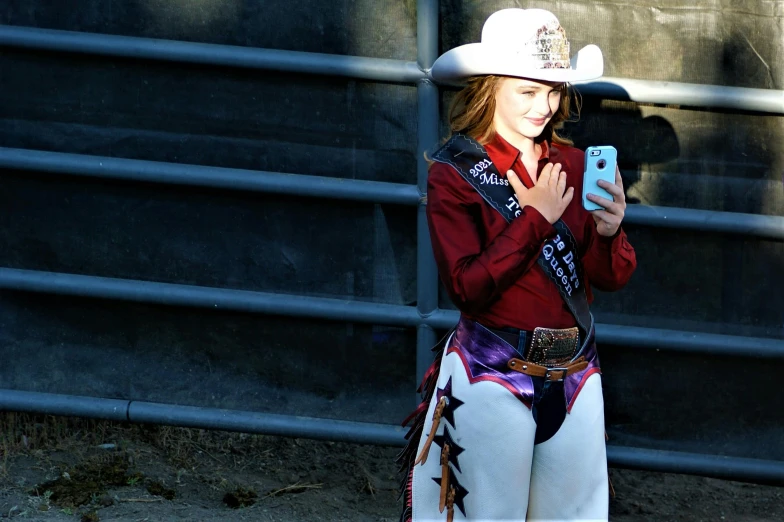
22	433
293	488
36	435
81	449
83	466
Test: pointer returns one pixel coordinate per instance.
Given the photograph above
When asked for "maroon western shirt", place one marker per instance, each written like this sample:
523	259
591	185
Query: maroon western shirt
489	266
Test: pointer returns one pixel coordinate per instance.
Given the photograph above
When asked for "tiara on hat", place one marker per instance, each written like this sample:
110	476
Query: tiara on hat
522	43
549	49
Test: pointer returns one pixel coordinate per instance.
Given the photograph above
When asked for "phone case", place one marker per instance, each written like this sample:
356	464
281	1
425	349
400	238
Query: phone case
600	163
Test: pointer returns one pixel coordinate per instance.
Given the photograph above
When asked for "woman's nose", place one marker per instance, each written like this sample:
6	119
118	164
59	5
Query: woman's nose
542	104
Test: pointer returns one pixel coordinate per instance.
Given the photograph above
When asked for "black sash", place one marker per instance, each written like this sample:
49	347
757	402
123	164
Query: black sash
558	258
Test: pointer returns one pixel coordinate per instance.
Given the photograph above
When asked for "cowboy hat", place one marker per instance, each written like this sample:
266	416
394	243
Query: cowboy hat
526	43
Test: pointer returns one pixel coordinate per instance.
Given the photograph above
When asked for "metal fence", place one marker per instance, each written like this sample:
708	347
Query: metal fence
426	316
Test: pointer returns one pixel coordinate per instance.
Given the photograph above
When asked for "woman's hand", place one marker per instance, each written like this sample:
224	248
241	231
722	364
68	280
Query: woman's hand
609	220
549	196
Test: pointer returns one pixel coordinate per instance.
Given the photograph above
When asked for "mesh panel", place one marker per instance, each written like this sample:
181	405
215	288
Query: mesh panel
240	119
350	27
207	358
209	238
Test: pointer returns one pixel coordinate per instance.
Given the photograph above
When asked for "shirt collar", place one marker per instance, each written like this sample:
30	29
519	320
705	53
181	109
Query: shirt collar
504	154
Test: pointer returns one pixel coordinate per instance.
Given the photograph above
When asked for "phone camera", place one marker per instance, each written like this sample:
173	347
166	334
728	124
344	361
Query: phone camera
601	164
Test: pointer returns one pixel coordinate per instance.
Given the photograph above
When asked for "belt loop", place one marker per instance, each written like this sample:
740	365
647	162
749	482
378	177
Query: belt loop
522	343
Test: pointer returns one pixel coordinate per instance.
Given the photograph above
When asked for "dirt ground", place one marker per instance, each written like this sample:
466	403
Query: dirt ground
54	469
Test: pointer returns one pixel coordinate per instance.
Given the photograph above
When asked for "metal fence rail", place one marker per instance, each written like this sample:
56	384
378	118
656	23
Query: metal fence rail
753	225
302	185
426	316
686	94
750	470
334	309
51	40
375	69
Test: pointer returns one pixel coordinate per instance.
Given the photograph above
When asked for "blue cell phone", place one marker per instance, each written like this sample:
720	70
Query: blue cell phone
600	163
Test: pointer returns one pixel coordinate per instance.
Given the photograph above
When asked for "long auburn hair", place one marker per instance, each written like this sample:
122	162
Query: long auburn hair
472	109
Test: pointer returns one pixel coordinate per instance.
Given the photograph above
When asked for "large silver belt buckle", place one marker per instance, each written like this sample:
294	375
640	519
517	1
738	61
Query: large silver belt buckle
553	346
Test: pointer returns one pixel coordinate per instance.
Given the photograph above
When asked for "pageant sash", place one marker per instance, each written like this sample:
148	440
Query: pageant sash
558	257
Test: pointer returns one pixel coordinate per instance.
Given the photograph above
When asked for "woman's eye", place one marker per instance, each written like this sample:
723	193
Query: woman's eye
528	93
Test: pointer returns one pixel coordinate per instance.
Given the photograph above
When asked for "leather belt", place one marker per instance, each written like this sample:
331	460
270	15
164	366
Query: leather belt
549	373
544	346
512	336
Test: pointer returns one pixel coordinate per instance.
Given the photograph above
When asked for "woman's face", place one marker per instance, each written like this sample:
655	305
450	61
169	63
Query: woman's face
524	107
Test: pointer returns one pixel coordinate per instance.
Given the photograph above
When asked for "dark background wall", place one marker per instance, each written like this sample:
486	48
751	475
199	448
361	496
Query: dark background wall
671	156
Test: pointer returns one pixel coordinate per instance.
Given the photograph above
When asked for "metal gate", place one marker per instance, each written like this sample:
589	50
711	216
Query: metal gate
426	316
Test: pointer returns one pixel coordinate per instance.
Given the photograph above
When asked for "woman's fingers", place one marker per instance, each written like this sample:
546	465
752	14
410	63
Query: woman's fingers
610	206
568	196
544	177
555	174
561	187
618	178
615	190
604	202
517	185
605	218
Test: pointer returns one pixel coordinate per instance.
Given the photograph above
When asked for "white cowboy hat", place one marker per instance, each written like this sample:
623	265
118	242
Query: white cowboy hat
525	43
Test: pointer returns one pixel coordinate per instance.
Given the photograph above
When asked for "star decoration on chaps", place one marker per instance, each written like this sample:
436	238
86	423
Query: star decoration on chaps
454	449
452	402
458	492
446	405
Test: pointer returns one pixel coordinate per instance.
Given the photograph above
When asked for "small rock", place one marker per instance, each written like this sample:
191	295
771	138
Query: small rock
241	497
92	516
158	489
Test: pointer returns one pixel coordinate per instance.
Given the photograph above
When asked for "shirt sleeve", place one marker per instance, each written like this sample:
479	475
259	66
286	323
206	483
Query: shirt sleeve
608	261
475	275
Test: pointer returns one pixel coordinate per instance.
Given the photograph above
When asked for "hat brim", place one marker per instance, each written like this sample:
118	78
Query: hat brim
458	64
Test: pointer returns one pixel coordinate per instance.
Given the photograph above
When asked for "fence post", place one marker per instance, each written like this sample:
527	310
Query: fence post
427	136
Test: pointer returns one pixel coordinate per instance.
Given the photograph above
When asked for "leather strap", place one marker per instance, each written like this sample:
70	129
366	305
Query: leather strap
551	374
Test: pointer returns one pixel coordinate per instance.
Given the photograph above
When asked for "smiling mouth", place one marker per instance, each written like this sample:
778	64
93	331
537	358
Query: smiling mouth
539	121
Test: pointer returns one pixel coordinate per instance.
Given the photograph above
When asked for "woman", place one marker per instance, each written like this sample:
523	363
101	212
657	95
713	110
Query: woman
512	425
